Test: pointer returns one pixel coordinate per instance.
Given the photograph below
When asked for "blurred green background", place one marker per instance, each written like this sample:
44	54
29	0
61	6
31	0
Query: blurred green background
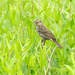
21	50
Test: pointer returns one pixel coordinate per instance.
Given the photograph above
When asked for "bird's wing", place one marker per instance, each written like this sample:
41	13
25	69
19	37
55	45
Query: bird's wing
43	30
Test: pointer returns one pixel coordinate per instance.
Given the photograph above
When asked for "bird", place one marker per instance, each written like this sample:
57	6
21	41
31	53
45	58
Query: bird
45	33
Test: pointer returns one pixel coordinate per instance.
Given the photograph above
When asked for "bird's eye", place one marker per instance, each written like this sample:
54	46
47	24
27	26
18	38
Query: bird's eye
37	22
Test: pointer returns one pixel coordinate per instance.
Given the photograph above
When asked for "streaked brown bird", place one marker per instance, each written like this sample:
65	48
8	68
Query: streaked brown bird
45	33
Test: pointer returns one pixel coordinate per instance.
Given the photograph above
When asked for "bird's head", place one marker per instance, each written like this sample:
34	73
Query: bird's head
37	22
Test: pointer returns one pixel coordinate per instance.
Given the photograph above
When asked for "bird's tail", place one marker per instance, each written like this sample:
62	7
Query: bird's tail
57	44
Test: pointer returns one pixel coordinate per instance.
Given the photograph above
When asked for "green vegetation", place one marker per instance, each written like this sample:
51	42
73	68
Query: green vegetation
21	50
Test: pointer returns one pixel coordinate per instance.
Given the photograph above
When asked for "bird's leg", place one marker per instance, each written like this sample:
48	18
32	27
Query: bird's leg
43	40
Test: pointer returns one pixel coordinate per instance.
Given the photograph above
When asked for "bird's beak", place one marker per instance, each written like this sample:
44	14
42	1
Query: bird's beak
34	22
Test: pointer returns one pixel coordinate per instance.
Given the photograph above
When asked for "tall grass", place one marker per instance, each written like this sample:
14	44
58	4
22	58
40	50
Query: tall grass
21	50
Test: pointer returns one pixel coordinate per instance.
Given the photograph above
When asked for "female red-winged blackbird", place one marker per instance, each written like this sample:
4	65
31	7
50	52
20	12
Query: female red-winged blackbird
45	33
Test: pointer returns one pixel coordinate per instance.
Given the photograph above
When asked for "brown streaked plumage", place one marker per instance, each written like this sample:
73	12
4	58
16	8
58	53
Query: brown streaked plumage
45	33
